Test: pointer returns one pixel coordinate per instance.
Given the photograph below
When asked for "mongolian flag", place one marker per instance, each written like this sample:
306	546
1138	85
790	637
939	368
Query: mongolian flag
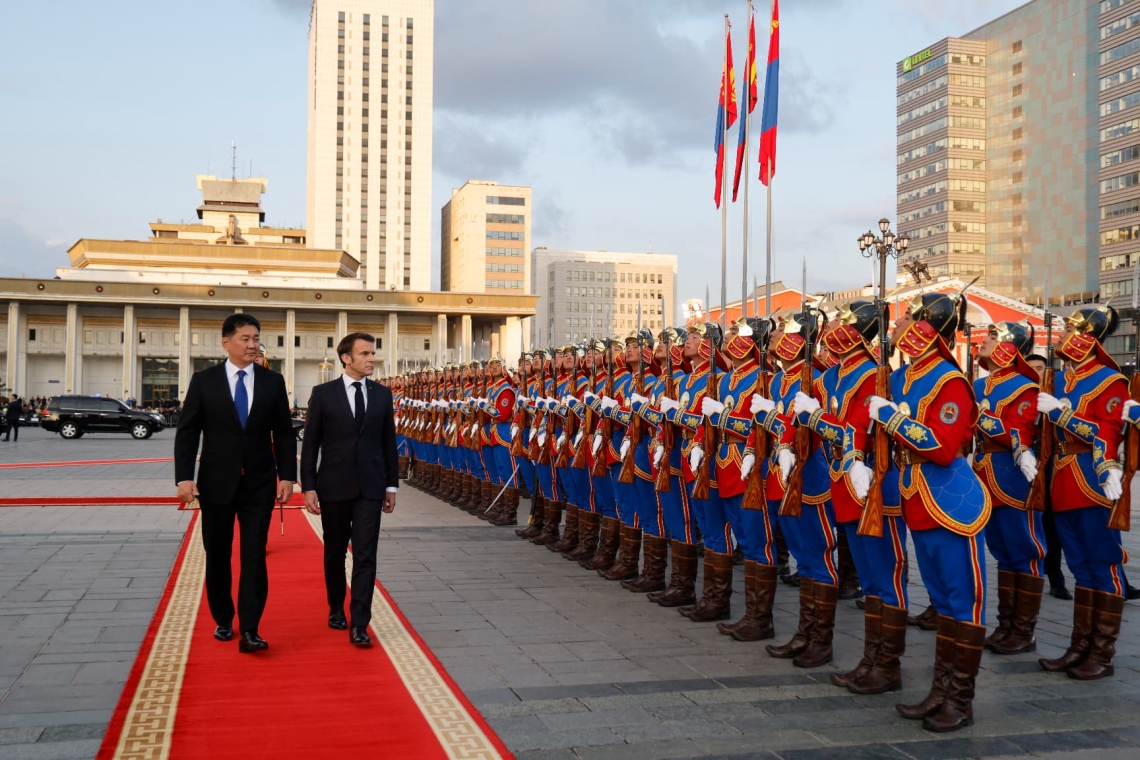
725	113
750	104
771	100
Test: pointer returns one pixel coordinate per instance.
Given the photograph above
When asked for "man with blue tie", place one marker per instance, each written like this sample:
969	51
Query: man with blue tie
239	411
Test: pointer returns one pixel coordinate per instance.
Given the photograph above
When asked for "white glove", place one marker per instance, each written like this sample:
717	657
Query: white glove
860	475
1027	463
804	404
514	431
551	401
669	405
475	428
566	400
1112	487
589	396
578	438
786	460
637	398
524	399
542	439
1047	403
1128	404
746	465
761	404
624	448
695	458
658	455
877	403
709	407
597	443
561	441
609	403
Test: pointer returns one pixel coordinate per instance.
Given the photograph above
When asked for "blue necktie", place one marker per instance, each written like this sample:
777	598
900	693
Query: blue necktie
241	399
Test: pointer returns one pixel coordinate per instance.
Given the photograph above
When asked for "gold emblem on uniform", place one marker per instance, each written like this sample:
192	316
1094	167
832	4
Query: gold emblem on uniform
916	433
1084	430
988	423
904	407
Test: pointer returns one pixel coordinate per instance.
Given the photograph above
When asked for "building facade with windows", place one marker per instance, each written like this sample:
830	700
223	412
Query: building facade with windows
1013	148
484	239
370	136
595	293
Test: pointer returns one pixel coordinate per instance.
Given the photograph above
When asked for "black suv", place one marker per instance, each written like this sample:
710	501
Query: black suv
72	416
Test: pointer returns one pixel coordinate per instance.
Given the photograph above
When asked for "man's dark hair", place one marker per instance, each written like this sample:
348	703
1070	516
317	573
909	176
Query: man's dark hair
348	342
235	322
1036	358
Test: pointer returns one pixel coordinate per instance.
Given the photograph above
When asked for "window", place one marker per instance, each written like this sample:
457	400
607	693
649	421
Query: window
925	89
934	147
922	110
1016	90
1017	68
1120	77
281	341
32	334
925	68
925	129
1121	235
296	341
142	338
329	342
498	201
1017	133
1120	130
340	17
1016	47
1017	112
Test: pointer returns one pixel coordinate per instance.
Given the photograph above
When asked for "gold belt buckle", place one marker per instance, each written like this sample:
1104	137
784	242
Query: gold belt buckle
1061	448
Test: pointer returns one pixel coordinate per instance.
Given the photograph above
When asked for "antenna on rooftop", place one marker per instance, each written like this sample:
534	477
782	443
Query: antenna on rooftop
233	160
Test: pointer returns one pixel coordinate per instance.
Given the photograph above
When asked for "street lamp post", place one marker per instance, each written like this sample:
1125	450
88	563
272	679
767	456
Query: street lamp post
882	247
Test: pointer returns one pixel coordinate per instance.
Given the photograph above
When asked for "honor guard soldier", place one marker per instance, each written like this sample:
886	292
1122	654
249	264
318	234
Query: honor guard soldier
1006	464
1086	418
931	419
596	490
569	381
521	460
401	439
499	406
542	440
842	421
676	516
811	535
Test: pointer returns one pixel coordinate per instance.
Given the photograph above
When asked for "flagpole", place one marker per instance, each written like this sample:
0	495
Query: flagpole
748	64
724	186
768	224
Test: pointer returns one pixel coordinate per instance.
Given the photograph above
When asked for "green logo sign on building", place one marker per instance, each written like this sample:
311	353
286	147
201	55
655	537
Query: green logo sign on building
914	60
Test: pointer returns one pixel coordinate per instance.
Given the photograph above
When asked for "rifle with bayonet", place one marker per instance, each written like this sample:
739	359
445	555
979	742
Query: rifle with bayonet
1038	495
756	491
601	467
569	425
703	475
664	470
580	460
517	448
792	505
1120	518
633	432
871	521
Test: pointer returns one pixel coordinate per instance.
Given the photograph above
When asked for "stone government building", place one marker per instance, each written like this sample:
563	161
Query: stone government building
135	319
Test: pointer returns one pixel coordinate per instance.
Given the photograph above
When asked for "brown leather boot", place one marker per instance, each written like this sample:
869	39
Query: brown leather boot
625	566
1007	595
958	709
799	641
886	674
537	518
943	660
489	508
759	595
447	488
509	515
402	467
608	539
652	576
464	498
927	621
589	525
569	540
1083	601
475	507
872	636
550	523
849	587
455	486
706	582
682	581
819	651
1102	642
1020	637
715	603
460	488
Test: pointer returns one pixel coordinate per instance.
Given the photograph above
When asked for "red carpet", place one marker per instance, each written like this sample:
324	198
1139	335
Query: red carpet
296	501
311	695
88	463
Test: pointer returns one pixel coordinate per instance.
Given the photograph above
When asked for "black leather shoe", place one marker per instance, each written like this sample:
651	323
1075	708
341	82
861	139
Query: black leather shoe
250	642
337	621
224	632
359	637
1060	592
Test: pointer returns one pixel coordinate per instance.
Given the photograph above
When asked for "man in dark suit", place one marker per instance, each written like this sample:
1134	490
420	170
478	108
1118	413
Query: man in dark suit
15	409
240	411
351	424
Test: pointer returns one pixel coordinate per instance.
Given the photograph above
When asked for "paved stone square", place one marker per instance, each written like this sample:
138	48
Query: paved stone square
562	663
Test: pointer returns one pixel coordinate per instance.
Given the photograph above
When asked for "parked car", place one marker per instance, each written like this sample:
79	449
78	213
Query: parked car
72	416
299	429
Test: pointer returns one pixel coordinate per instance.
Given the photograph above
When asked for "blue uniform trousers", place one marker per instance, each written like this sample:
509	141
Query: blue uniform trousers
401	445
505	467
1016	538
953	570
490	464
626	497
754	530
881	562
675	512
544	477
602	496
1092	551
811	540
713	522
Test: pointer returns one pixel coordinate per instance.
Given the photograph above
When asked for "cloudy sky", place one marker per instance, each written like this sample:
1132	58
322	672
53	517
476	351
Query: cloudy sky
606	108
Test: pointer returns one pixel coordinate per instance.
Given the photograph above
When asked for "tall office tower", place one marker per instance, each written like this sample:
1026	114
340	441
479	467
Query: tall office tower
1014	145
484	239
370	133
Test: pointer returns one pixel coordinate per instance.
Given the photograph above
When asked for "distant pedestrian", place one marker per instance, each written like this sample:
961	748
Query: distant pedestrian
15	409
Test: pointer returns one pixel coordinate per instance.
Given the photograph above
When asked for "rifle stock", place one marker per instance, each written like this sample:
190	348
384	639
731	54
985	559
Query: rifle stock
633	435
756	492
792	505
1039	488
1120	518
664	471
703	475
871	521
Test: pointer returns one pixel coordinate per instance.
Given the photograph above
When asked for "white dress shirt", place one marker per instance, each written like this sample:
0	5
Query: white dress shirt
348	389
348	381
232	377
